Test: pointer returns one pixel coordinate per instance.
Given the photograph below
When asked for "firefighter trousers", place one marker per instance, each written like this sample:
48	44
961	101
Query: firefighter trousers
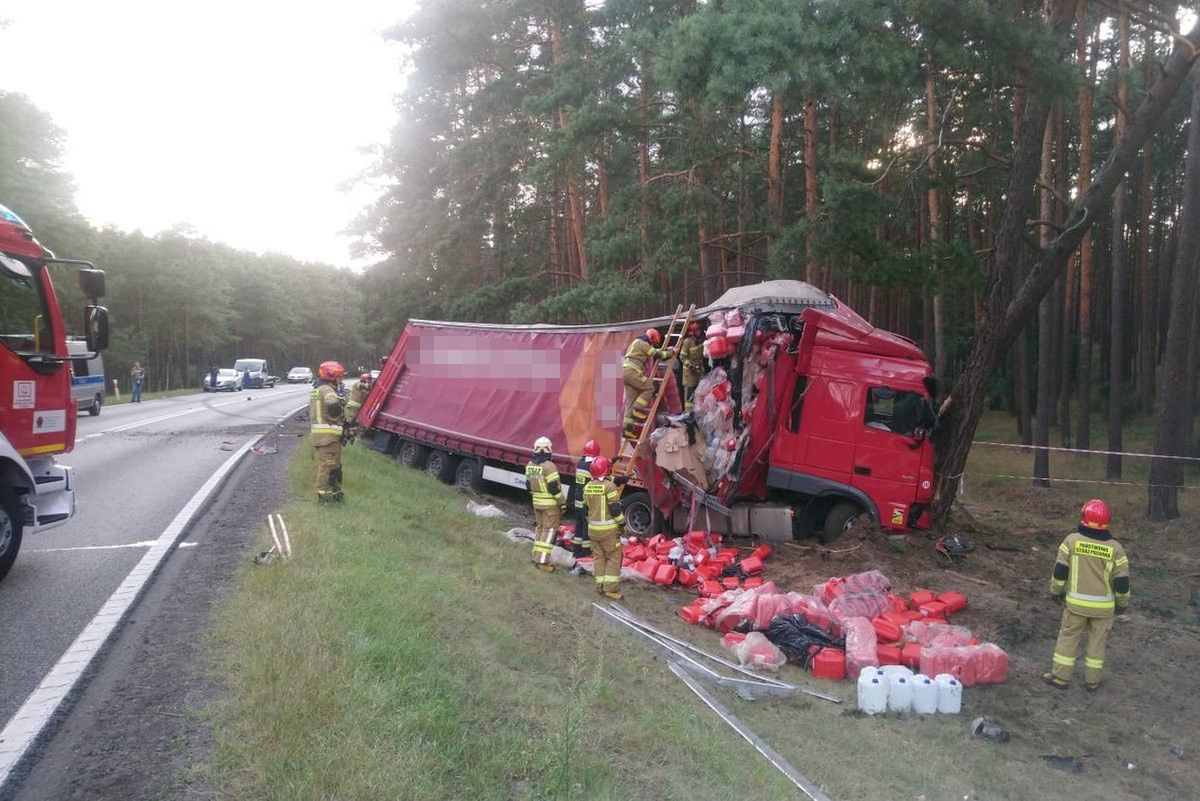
329	470
1070	635
545	528
639	391
581	529
606	552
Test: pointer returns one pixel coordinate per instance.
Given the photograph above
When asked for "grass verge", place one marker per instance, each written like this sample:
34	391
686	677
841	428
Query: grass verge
410	651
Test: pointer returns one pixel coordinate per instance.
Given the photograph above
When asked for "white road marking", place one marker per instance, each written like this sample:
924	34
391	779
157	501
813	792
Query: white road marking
142	544
139	423
187	545
27	724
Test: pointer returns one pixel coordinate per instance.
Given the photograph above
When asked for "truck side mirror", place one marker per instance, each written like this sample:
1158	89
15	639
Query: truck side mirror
95	325
91	281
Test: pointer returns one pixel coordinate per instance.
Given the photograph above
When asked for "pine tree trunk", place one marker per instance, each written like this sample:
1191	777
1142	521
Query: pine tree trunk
774	169
1116	352
1146	350
1045	367
1174	412
1083	438
811	268
935	227
644	162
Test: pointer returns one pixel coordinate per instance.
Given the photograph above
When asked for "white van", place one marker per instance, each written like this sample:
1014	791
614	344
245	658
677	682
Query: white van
255	373
87	377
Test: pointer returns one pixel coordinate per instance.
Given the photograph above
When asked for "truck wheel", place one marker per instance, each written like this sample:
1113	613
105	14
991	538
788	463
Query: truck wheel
640	515
413	455
94	409
841	518
441	466
10	534
469	475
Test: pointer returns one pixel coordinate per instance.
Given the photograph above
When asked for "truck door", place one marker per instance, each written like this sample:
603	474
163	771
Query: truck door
887	456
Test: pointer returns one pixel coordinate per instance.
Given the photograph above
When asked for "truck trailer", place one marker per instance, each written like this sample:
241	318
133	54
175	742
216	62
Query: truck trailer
811	421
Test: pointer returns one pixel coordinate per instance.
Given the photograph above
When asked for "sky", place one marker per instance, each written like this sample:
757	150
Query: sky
246	121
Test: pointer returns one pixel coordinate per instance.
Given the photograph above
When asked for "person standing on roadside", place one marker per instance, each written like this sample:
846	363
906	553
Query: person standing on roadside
137	376
1091	574
605	519
326	411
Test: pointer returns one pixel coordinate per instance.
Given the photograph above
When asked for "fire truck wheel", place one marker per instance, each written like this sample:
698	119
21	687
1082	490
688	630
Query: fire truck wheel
10	533
640	517
441	466
469	475
841	518
413	455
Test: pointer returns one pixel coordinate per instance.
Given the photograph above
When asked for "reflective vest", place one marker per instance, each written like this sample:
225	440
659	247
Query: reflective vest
358	396
582	477
544	487
1086	570
603	501
691	356
325	412
639	352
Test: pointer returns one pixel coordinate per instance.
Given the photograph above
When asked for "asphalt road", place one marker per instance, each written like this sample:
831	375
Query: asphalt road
135	468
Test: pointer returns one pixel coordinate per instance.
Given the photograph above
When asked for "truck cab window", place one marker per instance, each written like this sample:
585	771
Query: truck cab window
797	403
894	410
24	319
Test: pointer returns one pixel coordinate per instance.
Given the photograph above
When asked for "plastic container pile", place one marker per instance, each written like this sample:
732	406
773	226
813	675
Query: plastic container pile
850	624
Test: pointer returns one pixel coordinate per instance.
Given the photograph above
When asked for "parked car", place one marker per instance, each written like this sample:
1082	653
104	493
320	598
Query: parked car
228	380
300	375
254	373
87	377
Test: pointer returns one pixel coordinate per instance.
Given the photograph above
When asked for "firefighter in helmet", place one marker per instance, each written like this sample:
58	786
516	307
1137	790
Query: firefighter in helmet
603	502
691	358
326	412
1091	574
639	389
354	402
548	500
591	449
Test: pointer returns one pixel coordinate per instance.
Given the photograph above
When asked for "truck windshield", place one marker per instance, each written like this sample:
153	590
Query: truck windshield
253	365
24	317
897	411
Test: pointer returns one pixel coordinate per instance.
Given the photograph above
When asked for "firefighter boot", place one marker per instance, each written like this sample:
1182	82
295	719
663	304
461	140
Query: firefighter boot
613	594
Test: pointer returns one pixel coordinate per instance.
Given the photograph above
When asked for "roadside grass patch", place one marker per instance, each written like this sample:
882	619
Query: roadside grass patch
408	650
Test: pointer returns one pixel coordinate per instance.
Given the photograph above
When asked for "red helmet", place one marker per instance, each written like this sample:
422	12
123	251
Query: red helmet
331	371
1095	515
693	327
600	467
591	448
653	335
365	378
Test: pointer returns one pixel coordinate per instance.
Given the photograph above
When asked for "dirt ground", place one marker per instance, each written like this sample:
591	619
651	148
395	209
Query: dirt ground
139	731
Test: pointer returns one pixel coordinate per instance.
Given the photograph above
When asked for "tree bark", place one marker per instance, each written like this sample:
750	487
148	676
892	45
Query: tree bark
811	268
1083	437
1146	349
1174	412
774	170
1005	311
1116	349
644	161
1045	366
935	226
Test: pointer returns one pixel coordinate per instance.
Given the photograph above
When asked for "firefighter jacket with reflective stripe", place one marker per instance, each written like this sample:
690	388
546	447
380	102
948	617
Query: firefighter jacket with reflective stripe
603	501
1093	572
582	477
326	412
358	396
691	356
639	352
544	485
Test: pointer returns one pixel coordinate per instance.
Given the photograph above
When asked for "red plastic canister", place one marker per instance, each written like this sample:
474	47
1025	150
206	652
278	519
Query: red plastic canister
665	575
933	609
711	589
954	601
910	655
664	548
762	552
888	654
898	603
730	582
728	555
709	570
752	565
687	578
886	630
920	597
751	583
830	664
647	567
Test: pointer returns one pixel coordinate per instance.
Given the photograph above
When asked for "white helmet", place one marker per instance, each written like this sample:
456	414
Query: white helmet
543	445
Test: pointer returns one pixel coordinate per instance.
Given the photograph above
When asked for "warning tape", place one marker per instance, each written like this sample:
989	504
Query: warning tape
1084	450
1087	481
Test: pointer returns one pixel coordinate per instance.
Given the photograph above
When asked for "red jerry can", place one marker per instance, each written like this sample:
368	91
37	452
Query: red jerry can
888	654
954	601
762	552
733	638
752	565
692	614
751	583
647	568
919	597
886	630
665	575
898	603
730	582
933	609
727	555
709	570
664	548
711	589
830	664
910	655
688	578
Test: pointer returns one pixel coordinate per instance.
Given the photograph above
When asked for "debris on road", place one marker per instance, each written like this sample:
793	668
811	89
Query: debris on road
486	510
1068	763
982	727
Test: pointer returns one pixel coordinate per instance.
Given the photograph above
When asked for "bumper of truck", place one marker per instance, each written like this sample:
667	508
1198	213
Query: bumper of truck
53	501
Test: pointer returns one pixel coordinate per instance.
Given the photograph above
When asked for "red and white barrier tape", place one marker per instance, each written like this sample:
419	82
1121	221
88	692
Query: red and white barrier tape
1087	481
1083	450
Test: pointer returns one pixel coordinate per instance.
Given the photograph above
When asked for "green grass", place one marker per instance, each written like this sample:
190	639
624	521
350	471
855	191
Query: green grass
409	651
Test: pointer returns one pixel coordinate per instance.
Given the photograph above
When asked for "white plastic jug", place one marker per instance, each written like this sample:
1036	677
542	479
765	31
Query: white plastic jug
949	694
872	694
900	693
924	695
870	670
896	670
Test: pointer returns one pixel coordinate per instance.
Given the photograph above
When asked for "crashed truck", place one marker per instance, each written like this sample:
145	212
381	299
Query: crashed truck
810	422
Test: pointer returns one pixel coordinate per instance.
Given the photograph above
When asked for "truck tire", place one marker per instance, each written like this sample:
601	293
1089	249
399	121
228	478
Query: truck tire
412	454
94	409
841	518
10	533
441	466
469	475
641	518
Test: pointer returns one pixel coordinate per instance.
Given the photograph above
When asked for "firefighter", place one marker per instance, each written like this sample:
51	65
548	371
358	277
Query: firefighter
639	389
548	500
354	402
326	411
1092	575
691	357
603	501
591	449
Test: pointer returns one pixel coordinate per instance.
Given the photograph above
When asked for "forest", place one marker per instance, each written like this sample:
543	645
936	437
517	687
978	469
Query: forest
1011	184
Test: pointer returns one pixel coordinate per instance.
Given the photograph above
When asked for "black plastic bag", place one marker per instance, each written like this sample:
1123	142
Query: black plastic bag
800	640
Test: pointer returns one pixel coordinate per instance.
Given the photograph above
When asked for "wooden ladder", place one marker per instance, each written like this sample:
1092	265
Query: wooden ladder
623	461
